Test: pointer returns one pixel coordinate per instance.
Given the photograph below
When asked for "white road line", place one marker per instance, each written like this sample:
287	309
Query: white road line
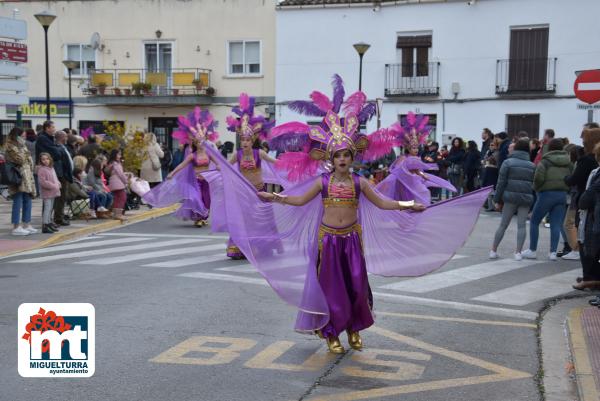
454	277
78	245
163	235
245	268
514	313
225	277
96	252
196	260
436	303
157	254
533	291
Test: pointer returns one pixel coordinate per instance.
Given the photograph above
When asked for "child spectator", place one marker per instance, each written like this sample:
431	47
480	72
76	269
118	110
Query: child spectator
117	184
50	189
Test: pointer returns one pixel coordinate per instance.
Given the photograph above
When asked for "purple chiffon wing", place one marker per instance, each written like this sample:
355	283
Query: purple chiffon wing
218	217
280	241
183	187
433	181
412	244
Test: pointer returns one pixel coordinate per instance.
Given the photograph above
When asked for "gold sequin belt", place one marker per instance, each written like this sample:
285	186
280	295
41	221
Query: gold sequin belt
340	202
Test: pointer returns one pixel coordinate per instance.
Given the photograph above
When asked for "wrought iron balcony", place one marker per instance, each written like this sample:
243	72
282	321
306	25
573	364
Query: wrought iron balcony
526	75
143	82
418	79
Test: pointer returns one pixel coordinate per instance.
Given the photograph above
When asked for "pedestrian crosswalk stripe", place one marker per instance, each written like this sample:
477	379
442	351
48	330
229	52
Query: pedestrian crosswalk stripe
454	277
437	303
245	268
105	251
196	260
532	291
207	236
226	277
94	244
157	254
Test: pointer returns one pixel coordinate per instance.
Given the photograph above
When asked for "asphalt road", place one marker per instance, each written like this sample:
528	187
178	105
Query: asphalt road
177	320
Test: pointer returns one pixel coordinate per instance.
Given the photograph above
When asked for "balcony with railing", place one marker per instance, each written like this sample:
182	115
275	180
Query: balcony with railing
147	86
417	79
526	76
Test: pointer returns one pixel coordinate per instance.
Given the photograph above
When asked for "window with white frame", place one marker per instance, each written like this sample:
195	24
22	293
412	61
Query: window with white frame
85	55
244	57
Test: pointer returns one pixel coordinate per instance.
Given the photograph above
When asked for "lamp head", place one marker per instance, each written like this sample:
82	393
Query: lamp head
45	18
361	48
71	64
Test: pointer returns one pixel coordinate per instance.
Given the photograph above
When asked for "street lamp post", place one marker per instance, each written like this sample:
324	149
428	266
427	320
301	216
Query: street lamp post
45	19
70	64
361	48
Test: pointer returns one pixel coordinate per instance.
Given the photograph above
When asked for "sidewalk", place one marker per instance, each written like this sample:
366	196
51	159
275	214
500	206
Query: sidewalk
10	244
570	344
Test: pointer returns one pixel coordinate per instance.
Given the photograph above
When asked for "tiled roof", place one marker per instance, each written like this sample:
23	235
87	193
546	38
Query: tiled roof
285	3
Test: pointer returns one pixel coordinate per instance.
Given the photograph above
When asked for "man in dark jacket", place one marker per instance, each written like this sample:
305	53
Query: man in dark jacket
514	194
487	137
91	150
65	176
45	143
503	148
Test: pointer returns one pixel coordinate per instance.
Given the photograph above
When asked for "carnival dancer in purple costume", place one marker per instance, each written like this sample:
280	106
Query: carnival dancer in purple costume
328	243
250	128
185	183
407	179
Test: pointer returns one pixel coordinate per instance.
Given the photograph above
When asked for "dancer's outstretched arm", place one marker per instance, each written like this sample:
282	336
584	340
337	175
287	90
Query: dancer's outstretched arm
181	165
387	204
298	200
265	156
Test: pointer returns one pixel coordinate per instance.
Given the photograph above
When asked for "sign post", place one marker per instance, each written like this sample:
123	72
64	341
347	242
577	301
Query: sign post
587	89
13	55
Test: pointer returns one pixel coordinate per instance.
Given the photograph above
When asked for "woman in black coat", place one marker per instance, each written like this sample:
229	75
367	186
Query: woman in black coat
472	165
455	161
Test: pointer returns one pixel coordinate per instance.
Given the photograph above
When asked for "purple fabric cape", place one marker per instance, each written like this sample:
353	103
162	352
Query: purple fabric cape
401	184
281	241
183	187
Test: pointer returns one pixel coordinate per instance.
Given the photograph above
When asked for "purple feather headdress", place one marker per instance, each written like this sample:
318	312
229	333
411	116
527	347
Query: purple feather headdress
306	146
198	125
412	130
245	123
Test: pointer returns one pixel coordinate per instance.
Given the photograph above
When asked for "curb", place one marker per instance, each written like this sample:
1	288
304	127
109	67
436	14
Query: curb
586	383
95	228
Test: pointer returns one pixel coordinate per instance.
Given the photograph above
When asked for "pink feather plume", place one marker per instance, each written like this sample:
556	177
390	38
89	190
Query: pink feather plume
321	101
232	121
299	165
289	128
213	136
381	143
354	103
244	101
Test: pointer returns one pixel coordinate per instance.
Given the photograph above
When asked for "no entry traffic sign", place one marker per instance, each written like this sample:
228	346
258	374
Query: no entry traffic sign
587	86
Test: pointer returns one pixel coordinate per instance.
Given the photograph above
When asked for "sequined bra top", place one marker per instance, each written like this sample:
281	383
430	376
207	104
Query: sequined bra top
340	196
253	164
201	162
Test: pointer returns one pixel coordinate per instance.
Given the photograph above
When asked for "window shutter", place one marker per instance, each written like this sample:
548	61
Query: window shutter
413	41
407	61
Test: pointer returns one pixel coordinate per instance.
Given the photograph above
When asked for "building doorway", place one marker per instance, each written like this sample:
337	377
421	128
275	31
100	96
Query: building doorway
163	127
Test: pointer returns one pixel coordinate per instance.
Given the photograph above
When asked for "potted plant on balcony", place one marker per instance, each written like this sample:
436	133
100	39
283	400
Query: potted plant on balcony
140	87
102	88
175	91
198	84
117	91
210	91
127	92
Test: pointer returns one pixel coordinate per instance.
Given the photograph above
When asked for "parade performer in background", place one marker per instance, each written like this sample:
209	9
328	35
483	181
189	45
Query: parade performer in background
407	179
326	244
186	183
251	128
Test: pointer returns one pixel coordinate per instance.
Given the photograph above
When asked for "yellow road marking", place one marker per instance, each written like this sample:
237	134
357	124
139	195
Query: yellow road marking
266	359
583	368
459	320
405	370
500	373
220	355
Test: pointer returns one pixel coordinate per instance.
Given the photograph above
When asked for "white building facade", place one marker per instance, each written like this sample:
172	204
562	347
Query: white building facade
508	65
200	52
